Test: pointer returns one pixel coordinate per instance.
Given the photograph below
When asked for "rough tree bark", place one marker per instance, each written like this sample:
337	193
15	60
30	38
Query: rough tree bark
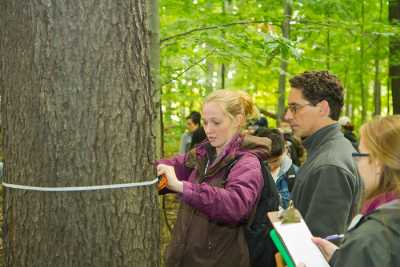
78	108
154	26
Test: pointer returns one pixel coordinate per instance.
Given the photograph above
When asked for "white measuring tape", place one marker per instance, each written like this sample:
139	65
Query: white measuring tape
79	188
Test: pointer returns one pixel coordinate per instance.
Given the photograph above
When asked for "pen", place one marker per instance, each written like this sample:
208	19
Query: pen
334	237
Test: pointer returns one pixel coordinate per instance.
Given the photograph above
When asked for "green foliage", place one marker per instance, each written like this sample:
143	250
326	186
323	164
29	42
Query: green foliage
199	36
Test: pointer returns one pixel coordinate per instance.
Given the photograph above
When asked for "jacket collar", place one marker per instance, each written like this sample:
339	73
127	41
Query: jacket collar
378	201
393	204
321	136
239	145
285	165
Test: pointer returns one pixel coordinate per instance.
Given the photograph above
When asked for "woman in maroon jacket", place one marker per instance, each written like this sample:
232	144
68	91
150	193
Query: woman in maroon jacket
209	231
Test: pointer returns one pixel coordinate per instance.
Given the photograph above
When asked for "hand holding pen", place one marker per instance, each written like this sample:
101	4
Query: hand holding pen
334	237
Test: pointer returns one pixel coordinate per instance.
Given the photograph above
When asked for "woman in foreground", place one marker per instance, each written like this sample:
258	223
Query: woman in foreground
373	237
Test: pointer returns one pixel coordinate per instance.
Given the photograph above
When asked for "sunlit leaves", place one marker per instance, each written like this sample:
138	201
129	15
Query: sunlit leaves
245	35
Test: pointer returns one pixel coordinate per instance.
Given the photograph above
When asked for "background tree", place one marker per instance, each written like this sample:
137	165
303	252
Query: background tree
394	61
333	34
377	68
78	108
287	7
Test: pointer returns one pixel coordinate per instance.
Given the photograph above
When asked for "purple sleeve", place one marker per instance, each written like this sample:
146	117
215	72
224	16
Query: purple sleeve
233	203
182	172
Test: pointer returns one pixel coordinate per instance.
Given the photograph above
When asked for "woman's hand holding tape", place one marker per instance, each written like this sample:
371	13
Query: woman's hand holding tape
173	183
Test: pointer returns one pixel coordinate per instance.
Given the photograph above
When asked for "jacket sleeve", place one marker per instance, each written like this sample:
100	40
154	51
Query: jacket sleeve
233	203
368	245
178	162
331	198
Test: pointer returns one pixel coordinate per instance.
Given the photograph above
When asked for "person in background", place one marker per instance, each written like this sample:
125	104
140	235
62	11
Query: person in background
193	122
282	168
373	238
198	136
209	227
347	129
327	185
295	149
261	122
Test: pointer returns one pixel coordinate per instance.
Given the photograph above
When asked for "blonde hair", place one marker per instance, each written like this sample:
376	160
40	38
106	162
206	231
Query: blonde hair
381	137
234	103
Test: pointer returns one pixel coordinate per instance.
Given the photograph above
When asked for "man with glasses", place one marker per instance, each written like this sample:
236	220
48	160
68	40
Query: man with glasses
327	185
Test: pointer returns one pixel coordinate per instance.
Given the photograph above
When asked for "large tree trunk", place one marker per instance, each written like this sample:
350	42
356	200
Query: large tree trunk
78	108
394	56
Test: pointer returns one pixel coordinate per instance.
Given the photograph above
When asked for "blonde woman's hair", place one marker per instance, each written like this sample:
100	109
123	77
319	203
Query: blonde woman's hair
381	137
234	103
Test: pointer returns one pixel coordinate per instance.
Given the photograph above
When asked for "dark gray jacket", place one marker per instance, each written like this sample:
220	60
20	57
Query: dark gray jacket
373	241
327	185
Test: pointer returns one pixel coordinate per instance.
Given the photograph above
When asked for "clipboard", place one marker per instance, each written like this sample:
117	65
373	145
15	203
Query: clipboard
293	241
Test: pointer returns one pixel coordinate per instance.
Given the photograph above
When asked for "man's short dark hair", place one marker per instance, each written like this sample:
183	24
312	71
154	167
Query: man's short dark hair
195	116
320	85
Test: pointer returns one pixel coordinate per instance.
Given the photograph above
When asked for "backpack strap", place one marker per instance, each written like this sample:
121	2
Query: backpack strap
265	175
229	167
269	185
290	177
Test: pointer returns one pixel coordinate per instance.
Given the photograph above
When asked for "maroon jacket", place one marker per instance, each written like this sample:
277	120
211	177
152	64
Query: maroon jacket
209	231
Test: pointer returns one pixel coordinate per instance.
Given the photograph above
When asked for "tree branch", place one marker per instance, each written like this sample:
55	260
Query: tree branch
206	28
273	22
268	114
188	68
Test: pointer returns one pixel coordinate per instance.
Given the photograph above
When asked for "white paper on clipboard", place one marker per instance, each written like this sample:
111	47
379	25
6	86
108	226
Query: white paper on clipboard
297	239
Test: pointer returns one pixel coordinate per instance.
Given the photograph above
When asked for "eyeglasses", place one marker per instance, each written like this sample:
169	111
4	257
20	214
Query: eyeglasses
294	107
357	156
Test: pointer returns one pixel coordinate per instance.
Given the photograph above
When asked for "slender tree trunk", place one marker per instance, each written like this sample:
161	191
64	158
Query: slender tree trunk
328	40
363	90
209	77
388	96
377	82
225	8
209	73
78	108
348	104
394	56
223	76
211	66
377	79
328	49
284	59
